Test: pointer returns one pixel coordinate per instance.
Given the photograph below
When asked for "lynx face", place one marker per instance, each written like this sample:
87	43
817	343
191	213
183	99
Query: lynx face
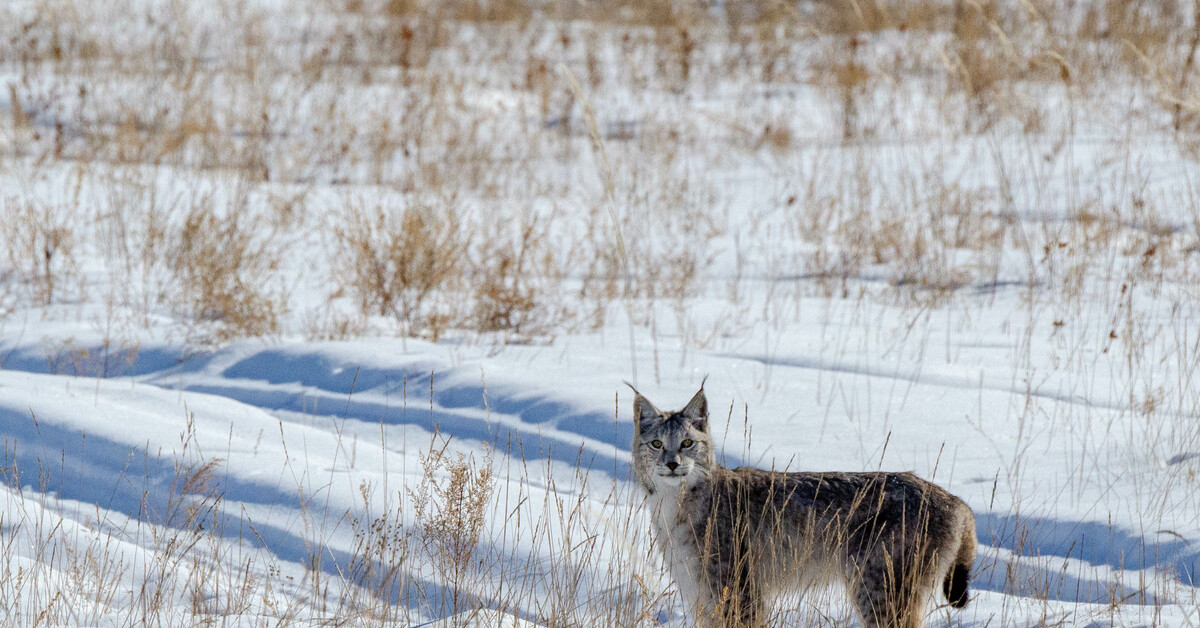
672	448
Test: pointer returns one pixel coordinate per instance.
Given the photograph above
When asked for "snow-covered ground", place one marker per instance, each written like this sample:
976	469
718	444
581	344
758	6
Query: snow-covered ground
1001	299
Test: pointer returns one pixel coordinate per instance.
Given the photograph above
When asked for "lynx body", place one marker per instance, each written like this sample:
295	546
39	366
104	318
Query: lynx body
733	538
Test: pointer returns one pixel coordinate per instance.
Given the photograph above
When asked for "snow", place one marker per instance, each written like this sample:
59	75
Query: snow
1069	521
1037	361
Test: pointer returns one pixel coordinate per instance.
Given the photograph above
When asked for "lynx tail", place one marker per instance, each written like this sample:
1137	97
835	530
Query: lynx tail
955	585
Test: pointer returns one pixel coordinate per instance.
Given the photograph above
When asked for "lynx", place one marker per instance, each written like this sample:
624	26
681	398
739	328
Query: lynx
732	538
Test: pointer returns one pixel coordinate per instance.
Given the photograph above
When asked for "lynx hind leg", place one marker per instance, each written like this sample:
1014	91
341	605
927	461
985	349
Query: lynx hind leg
959	564
888	608
889	596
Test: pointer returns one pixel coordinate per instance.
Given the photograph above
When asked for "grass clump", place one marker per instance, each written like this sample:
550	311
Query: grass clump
40	246
398	262
222	267
516	275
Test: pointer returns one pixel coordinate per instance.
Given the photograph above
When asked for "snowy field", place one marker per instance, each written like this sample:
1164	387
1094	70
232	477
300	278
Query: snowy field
318	313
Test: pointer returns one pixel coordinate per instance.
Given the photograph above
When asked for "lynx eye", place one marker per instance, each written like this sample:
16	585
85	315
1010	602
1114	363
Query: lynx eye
657	444
687	442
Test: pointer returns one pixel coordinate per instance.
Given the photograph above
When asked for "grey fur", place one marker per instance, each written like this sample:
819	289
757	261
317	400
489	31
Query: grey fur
732	538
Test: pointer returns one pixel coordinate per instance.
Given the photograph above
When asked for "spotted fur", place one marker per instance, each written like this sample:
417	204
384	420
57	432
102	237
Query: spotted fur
733	538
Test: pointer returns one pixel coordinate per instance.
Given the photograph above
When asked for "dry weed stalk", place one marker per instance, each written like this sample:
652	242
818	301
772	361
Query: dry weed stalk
449	506
379	564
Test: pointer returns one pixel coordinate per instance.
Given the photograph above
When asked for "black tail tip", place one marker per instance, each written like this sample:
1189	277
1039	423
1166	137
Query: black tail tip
955	586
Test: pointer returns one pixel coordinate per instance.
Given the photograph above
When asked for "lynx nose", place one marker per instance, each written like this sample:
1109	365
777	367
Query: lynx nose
672	466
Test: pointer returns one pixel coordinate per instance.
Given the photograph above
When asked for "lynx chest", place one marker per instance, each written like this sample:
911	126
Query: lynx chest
671	517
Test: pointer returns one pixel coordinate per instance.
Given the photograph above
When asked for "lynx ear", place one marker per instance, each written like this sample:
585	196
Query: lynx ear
697	410
642	408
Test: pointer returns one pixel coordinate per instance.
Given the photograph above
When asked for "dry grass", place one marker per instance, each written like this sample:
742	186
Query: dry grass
264	108
41	251
382	553
449	507
538	552
396	158
516	274
395	262
224	271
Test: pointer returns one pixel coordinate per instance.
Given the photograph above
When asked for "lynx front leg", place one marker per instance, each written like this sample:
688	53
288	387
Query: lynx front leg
734	599
743	611
731	610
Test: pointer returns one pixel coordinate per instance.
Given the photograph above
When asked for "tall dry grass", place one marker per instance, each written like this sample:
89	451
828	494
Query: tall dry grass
468	532
392	94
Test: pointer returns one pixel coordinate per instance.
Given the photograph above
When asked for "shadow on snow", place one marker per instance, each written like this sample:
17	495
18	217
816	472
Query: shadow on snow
1046	557
127	479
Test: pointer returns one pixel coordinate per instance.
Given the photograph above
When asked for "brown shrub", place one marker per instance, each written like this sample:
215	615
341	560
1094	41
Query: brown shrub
515	278
222	267
392	261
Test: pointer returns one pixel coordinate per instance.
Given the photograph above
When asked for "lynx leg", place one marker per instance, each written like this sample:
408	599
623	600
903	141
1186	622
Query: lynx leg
887	609
888	596
736	601
733	610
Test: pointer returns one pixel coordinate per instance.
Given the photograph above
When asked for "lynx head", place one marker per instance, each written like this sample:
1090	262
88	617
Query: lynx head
671	449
